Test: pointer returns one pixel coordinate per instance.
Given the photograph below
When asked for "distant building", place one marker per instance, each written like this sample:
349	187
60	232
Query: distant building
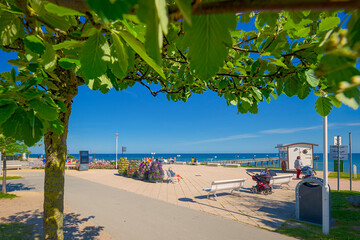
289	152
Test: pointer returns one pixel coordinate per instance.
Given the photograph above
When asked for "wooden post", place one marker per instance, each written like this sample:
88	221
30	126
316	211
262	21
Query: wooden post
4	172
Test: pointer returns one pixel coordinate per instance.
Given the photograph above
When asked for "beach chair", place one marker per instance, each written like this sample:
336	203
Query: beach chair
170	178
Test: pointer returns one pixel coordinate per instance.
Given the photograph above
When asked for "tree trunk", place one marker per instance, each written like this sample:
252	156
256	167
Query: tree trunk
56	150
4	174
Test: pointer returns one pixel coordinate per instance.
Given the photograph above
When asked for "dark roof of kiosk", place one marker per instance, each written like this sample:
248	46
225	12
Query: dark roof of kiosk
292	144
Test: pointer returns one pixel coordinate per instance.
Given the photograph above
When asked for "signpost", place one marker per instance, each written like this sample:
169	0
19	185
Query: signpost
84	160
338	153
123	149
350	162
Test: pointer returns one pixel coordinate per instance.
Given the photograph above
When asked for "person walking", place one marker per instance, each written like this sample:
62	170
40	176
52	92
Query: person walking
298	165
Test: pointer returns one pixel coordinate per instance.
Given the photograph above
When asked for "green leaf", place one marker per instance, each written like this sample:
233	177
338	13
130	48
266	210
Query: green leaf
337	67
278	62
185	9
328	23
68	44
302	33
61	22
6	111
44	110
162	15
61	11
49	57
254	108
95	56
353	27
61	105
138	47
10	28
110	9
254	67
323	106
347	101
208	39
303	90
14	126
102	83
68	63
311	78
33	129
18	63
291	86
334	100
13	75
57	126
257	94
148	14
33	43
119	57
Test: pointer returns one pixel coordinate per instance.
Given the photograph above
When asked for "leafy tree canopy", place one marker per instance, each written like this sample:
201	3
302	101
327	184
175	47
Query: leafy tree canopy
10	146
116	44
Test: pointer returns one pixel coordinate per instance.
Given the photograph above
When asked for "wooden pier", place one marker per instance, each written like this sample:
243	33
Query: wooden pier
258	161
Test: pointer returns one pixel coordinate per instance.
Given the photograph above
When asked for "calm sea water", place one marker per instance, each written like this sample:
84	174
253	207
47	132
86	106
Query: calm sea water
205	157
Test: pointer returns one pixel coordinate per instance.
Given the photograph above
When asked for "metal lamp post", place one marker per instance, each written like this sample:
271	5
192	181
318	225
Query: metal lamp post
117	137
326	200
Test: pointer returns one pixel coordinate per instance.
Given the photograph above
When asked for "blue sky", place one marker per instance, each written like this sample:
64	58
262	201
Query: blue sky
204	124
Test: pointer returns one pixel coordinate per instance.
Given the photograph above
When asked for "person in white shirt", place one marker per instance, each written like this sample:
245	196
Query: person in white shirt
298	165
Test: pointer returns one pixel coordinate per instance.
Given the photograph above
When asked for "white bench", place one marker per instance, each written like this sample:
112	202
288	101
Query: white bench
67	165
282	179
13	164
234	184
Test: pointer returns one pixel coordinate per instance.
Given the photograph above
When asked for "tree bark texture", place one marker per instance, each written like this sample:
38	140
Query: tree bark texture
56	150
4	173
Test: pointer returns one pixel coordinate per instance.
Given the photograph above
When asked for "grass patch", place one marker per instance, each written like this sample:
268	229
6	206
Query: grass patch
16	231
347	221
7	196
11	177
344	175
233	166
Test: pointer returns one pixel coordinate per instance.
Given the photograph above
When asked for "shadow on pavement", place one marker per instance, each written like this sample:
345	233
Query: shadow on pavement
72	224
11	187
276	212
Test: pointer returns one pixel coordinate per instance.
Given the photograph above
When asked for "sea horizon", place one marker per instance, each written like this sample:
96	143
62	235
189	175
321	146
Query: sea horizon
211	157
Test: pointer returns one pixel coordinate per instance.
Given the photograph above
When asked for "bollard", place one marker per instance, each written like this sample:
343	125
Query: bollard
355	172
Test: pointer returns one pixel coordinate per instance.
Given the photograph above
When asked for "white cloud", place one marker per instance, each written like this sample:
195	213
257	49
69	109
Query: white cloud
229	138
289	130
352	124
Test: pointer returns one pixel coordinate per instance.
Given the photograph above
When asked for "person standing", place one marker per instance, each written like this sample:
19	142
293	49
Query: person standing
298	165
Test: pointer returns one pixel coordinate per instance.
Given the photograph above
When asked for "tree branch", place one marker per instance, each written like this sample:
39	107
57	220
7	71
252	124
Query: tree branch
230	6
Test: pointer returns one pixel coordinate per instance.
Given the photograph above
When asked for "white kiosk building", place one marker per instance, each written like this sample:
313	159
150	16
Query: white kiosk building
289	152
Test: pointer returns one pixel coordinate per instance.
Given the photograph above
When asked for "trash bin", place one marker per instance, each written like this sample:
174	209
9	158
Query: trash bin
309	200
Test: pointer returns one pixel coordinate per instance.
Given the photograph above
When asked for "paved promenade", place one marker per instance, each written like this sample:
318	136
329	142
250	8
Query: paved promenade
129	208
126	215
